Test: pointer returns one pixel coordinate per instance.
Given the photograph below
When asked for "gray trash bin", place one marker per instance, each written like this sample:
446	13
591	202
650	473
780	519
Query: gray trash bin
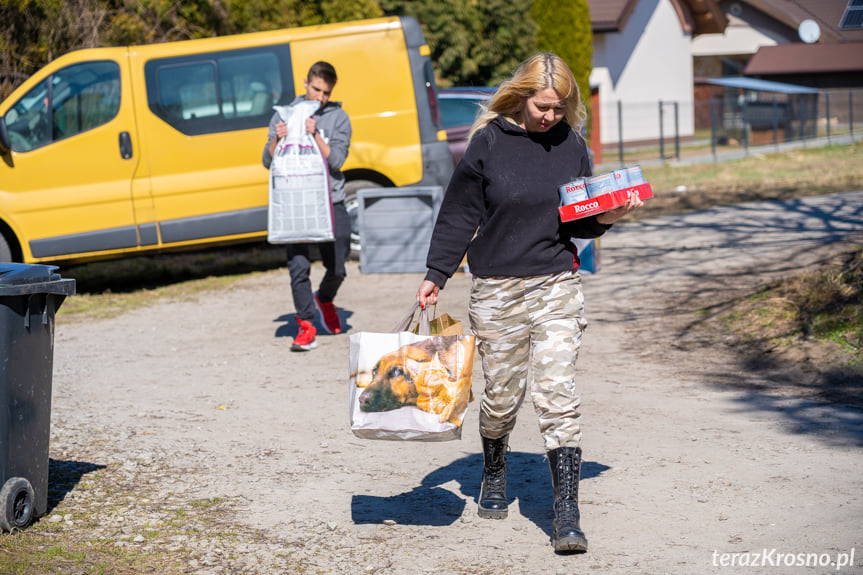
29	297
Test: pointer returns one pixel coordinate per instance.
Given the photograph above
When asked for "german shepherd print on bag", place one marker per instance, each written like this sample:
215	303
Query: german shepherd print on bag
422	387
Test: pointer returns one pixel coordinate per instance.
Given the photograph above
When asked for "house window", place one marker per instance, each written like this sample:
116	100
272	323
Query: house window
852	19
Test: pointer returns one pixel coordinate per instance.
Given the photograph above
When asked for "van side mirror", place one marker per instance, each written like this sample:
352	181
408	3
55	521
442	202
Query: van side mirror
5	144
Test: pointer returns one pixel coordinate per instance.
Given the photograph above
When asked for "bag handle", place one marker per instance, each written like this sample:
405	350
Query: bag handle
434	315
406	321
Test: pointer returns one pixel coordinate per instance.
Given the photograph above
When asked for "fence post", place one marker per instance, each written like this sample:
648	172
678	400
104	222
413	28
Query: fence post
803	119
677	130
620	131
713	127
851	114
661	136
745	134
827	114
775	124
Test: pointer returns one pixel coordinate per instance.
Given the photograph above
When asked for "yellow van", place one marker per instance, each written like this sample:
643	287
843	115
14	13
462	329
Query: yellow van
111	152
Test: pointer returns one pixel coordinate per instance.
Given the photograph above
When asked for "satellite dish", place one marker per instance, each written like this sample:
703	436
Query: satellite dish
809	31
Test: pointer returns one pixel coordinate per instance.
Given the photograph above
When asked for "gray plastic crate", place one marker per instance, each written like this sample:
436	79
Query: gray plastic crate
396	226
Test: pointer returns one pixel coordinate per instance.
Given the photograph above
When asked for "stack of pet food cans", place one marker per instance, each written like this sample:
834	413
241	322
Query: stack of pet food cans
589	196
573	192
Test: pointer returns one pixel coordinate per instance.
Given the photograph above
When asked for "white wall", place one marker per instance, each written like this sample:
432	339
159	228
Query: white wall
738	38
648	62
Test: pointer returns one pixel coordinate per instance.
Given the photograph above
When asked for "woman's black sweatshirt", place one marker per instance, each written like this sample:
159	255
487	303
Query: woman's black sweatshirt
501	205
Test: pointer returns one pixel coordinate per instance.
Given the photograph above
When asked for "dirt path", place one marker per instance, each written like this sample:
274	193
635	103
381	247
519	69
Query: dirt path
202	399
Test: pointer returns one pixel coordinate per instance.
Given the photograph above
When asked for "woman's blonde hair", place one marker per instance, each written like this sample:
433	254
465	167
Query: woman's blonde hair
545	70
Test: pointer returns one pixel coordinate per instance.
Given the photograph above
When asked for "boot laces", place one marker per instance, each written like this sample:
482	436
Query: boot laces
568	472
496	480
567	505
495	467
567	512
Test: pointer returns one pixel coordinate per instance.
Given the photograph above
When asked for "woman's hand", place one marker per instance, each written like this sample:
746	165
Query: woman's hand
633	202
427	294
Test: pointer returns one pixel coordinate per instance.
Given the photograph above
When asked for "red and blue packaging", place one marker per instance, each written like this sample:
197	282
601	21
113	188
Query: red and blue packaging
591	196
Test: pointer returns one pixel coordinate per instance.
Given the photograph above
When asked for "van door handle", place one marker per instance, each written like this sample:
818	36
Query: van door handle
125	145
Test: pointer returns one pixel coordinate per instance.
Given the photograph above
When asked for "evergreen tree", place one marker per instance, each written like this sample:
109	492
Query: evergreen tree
472	43
565	29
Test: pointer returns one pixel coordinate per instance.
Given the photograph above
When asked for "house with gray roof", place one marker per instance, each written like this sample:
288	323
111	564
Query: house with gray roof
814	43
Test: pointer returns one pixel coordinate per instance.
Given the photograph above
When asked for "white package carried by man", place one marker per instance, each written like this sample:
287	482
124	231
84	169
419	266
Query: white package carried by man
300	208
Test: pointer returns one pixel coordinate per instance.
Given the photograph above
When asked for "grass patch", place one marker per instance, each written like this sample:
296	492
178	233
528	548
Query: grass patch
776	176
44	548
824	306
31	553
117	524
809	325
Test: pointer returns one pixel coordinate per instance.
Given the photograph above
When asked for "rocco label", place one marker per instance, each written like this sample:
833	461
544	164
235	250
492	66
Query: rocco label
586	207
573	192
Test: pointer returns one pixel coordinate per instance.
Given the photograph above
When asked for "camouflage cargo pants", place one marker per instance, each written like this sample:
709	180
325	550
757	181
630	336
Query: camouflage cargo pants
529	333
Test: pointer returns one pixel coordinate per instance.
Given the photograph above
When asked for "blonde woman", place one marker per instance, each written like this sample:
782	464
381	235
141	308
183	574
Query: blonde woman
526	302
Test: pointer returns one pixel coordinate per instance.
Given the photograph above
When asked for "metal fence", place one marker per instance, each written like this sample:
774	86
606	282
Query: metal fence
727	123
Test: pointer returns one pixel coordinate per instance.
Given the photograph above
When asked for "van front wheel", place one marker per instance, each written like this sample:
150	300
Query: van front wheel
352	205
5	251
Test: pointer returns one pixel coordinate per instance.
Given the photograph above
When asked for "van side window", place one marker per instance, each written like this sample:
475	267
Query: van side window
220	91
70	101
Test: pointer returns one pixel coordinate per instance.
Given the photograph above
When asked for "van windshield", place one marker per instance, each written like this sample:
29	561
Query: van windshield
70	101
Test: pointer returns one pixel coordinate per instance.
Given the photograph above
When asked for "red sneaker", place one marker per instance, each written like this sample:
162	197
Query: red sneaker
329	315
305	339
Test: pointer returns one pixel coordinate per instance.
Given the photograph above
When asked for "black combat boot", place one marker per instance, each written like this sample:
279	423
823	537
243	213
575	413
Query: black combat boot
492	495
565	465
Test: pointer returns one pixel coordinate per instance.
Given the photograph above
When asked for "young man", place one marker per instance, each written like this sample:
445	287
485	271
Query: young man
331	128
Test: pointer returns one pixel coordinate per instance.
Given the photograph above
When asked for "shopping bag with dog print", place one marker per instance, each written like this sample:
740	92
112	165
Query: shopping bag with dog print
407	386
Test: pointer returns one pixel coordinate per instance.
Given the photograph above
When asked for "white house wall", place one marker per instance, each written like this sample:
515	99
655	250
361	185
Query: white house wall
738	38
649	62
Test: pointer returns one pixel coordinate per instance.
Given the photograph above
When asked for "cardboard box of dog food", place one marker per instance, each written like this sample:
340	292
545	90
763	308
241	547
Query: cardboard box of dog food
603	202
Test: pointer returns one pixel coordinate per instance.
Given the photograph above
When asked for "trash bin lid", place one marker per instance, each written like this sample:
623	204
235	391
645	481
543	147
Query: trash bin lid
18	279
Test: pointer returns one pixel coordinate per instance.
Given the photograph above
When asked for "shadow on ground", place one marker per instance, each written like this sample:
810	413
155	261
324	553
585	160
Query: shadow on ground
63	476
290	329
827	413
430	503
